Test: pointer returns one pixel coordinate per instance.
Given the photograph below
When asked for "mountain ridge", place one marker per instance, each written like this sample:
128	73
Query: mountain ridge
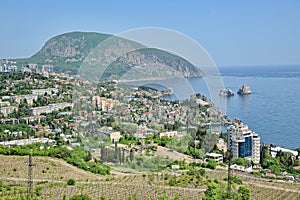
67	51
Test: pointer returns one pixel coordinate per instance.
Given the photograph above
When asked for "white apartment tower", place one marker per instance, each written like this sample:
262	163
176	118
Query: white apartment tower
243	143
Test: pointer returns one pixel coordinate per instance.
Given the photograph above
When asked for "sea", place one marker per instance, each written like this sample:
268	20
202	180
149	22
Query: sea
272	109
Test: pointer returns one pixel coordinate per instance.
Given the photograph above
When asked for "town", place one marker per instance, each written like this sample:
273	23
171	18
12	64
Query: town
105	126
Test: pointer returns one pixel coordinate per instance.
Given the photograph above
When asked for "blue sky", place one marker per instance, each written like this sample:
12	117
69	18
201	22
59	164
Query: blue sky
233	32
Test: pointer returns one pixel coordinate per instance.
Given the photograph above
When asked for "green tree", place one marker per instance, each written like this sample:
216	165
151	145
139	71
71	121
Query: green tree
239	161
131	155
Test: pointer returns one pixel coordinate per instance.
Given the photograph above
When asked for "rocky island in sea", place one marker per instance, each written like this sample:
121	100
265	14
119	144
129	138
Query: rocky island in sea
226	92
245	89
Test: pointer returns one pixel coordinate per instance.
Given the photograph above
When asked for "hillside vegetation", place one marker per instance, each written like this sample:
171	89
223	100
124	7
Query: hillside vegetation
66	52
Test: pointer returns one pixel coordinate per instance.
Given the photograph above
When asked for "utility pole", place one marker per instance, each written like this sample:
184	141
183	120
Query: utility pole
229	171
30	168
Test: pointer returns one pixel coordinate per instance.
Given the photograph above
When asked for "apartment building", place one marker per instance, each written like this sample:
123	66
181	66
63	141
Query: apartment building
243	143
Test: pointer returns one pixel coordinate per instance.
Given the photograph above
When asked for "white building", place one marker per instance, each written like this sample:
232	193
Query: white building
216	156
21	98
275	150
243	142
47	68
4	103
169	134
7	110
43	91
49	108
33	67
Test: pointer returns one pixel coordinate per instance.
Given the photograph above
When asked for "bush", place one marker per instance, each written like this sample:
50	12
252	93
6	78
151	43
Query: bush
244	192
236	180
80	197
202	172
212	164
38	191
239	161
71	181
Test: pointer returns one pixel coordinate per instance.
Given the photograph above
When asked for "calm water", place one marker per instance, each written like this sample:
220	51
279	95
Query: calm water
273	108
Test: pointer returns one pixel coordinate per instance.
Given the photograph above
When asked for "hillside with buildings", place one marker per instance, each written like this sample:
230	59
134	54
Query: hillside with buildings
110	129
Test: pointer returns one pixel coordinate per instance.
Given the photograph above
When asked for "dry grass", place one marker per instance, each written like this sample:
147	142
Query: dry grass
46	168
51	176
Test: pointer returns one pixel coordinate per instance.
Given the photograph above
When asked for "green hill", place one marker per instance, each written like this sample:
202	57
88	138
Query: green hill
66	52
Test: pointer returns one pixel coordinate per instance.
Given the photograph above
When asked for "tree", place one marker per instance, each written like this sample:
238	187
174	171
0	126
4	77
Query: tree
131	156
103	156
239	161
88	157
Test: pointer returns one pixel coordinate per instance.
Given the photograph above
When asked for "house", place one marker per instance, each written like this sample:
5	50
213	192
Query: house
241	168
115	136
215	156
175	167
221	145
297	168
275	150
169	134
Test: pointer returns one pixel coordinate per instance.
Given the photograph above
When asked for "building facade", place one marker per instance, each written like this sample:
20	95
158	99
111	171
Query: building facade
243	143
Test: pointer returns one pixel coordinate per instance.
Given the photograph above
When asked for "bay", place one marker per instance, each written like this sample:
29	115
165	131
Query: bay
273	108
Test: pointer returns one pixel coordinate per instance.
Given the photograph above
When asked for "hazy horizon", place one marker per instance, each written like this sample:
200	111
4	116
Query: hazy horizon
233	33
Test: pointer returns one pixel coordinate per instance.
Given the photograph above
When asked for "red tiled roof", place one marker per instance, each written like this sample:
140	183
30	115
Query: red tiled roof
297	168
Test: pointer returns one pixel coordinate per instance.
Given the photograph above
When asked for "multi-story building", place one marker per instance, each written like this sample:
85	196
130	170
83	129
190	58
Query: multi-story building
8	68
47	68
33	67
21	98
7	110
43	91
4	103
106	104
243	143
49	108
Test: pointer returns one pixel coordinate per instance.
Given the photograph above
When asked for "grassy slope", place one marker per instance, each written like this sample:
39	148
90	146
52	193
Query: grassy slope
52	175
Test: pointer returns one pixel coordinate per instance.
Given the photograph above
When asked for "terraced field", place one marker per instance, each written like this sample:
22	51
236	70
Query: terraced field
51	175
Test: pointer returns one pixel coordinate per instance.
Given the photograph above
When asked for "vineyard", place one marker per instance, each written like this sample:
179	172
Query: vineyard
51	182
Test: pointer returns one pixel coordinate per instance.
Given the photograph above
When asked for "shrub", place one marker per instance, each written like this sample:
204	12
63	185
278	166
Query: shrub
38	191
71	181
80	197
202	172
237	180
212	164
